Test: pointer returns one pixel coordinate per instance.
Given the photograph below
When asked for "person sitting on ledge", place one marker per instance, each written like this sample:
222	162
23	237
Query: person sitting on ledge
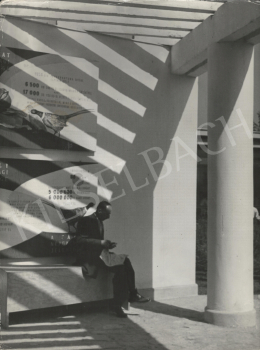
90	244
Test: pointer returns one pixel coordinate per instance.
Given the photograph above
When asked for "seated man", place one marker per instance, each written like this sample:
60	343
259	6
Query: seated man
90	243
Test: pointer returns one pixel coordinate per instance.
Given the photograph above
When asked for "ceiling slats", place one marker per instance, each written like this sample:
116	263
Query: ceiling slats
9	8
160	22
183	5
117	29
149	40
113	20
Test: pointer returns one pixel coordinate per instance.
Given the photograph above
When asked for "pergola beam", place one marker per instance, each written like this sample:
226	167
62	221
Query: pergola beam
94	20
101	10
114	5
120	29
148	39
232	22
159	22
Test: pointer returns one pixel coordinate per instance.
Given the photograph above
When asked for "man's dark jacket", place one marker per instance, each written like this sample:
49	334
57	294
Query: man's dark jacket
90	233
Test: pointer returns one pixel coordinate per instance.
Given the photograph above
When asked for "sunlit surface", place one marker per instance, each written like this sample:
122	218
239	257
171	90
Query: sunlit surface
28	210
13	31
13	341
160	53
74	347
91	70
115	128
26	226
65	285
49	288
121	98
84	65
113	58
172	324
51	331
57	85
49	324
92	44
23	263
29	213
109	160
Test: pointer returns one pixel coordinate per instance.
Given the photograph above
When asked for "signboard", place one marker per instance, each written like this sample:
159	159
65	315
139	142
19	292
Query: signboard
40	205
47	101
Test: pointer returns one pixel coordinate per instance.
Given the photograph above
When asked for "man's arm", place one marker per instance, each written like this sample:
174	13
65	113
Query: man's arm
88	228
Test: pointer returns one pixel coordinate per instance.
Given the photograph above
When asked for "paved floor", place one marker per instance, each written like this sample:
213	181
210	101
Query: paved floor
175	324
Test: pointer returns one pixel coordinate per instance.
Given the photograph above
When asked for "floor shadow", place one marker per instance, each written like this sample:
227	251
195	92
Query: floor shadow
41	315
172	310
76	327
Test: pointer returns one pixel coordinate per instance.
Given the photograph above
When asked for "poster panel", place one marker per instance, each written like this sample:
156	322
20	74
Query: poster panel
40	204
47	101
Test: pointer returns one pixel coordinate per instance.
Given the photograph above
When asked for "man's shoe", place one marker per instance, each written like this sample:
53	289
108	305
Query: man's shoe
119	312
138	298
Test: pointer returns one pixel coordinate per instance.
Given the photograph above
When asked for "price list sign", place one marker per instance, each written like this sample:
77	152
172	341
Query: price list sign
47	101
41	205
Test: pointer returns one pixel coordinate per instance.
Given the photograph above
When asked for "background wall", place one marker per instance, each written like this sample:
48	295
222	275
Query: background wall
145	115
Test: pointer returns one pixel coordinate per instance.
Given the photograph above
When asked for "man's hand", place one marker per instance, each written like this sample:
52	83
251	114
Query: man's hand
112	245
106	244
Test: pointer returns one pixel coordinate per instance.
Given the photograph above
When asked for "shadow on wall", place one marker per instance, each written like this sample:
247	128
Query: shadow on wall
140	105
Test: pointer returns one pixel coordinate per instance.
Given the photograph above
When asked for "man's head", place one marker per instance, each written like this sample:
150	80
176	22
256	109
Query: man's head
104	210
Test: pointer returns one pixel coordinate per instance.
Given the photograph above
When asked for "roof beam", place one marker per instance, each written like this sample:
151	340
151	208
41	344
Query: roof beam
149	39
93	19
203	6
120	29
191	4
159	41
174	10
233	21
159	22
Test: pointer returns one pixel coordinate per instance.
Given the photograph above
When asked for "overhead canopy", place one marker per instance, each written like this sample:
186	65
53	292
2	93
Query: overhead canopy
160	22
188	26
232	22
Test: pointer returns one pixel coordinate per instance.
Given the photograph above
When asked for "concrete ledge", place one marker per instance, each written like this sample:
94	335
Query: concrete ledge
170	292
27	288
231	319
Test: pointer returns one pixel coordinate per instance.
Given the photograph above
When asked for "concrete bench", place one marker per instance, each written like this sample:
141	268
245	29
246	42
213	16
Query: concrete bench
35	284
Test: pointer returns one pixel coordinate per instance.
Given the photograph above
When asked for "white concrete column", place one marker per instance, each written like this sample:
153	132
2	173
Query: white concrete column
230	185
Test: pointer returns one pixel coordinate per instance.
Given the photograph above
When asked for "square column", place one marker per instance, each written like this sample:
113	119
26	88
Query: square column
174	198
230	185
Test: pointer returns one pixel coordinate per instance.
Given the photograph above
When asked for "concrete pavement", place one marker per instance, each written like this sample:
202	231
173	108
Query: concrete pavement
176	324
